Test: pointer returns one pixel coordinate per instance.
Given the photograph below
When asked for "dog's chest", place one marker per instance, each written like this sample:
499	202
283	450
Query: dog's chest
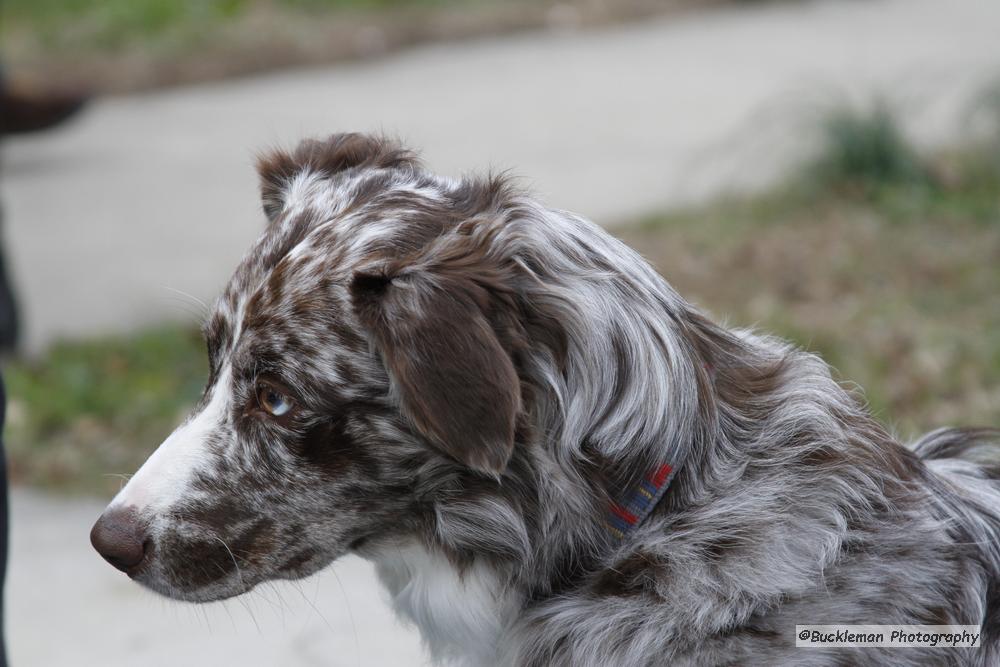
460	614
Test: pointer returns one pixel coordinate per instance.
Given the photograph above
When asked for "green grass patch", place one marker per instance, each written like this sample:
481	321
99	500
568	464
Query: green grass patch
126	45
118	45
115	25
88	411
112	25
866	151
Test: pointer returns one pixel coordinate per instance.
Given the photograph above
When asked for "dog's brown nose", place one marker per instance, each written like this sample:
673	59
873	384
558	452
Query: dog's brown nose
120	538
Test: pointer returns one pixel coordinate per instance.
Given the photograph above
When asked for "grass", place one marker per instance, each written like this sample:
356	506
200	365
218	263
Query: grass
116	24
907	309
865	150
87	411
116	45
119	45
884	263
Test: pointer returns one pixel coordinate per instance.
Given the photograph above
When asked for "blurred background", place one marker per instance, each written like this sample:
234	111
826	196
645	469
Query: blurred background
828	170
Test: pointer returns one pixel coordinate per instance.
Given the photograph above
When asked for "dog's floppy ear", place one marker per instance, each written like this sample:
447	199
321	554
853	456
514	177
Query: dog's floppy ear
456	383
336	153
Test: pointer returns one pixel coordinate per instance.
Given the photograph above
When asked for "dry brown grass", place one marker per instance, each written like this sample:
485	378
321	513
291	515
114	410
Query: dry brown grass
904	303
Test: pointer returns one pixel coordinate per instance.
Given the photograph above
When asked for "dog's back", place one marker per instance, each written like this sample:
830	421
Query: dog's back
965	468
805	512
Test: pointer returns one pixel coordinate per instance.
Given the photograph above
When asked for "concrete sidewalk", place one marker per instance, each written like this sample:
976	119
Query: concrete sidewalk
154	193
66	606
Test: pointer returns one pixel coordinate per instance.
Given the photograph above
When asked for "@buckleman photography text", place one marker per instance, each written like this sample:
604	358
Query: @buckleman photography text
903	636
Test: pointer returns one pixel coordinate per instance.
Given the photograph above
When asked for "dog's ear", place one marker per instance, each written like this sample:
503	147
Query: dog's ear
456	383
278	169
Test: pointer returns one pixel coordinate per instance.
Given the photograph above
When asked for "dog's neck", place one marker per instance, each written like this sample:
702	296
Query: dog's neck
460	612
606	420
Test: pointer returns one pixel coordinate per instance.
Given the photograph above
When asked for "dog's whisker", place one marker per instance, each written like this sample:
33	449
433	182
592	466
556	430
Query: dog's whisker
269	592
239	573
124	478
192	314
202	307
229	613
275	604
350	614
244	601
312	604
208	622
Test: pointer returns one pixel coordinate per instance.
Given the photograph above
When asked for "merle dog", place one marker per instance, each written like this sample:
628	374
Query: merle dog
550	457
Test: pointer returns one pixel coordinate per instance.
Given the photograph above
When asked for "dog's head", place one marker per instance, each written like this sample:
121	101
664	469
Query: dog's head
368	343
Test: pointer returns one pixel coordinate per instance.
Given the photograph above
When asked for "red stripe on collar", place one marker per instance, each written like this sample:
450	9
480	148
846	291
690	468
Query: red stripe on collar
624	516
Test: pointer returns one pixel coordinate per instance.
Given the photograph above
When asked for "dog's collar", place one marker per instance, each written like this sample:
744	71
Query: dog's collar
627	513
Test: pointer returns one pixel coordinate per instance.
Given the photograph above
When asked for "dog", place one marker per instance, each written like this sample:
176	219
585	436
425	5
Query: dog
550	457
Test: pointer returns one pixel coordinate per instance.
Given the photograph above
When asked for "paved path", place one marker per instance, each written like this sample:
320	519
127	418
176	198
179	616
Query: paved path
154	193
151	193
66	607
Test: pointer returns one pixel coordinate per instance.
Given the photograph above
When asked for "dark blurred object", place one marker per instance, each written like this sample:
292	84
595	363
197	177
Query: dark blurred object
10	325
22	112
3	521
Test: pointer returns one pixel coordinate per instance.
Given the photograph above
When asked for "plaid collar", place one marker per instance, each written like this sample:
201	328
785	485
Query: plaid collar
636	504
632	507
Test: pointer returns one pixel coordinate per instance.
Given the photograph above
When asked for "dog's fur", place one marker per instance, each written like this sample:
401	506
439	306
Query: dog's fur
476	377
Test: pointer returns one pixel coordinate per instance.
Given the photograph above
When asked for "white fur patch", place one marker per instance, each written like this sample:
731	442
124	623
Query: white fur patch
163	478
460	615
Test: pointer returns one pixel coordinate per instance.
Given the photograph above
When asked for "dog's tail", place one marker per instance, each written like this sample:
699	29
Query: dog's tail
965	463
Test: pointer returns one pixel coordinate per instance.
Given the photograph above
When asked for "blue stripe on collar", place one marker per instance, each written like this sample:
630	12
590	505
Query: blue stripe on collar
624	516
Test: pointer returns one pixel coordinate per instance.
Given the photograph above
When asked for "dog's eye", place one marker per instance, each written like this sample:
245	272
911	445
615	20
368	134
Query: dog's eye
273	401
